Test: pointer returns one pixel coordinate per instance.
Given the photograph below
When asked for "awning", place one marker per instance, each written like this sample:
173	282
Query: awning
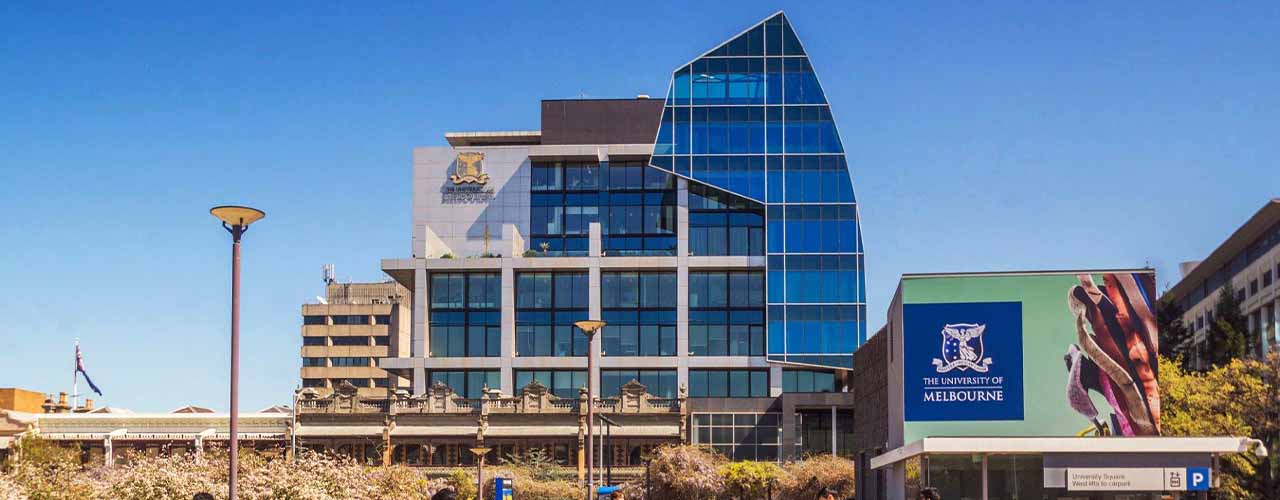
672	431
339	431
1033	445
434	430
73	436
531	430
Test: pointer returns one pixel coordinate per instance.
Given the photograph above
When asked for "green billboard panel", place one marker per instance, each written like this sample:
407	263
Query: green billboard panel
1030	354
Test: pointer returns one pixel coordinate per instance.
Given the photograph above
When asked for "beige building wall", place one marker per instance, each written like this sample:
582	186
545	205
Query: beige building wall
346	329
12	398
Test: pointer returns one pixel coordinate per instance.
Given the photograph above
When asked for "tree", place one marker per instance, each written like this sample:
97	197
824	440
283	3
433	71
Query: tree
1228	336
1234	399
1174	335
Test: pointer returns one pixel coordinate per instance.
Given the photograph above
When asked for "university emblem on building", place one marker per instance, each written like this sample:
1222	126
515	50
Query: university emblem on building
469	169
962	348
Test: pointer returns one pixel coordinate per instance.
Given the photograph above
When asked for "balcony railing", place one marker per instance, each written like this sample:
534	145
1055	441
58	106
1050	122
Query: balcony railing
533	398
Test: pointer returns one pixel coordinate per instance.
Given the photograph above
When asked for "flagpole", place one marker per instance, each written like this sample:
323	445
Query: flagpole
75	379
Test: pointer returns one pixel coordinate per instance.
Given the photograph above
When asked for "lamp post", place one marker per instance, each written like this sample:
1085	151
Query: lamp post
236	220
609	424
590	327
480	452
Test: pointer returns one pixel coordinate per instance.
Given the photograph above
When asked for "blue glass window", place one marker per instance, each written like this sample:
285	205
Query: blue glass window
660	383
464	315
547	306
750	119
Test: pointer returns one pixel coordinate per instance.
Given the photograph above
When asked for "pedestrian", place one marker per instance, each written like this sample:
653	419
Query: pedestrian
826	494
445	494
929	493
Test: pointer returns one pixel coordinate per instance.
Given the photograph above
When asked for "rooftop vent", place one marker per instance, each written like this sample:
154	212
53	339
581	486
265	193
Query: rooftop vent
642	96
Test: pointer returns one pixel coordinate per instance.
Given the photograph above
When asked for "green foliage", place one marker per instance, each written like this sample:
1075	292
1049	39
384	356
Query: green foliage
750	479
534	463
1228	336
1173	332
463	483
1235	399
548	490
530	253
447	256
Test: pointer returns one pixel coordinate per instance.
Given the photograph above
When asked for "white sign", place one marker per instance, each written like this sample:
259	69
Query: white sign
1136	479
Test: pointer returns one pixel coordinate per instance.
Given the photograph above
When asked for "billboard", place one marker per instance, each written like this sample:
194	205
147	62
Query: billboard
1030	354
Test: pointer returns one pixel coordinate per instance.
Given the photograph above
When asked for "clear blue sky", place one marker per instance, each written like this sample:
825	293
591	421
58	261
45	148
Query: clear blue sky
988	136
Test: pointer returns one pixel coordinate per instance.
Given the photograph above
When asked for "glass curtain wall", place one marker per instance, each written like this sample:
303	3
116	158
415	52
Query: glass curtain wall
547	305
634	205
640	310
750	118
465	318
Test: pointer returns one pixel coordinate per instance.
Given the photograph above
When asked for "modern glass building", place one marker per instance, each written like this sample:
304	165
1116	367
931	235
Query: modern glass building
749	118
715	232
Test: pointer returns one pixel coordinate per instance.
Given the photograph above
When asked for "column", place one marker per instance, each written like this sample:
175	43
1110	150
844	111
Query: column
833	430
593	299
420	345
508	349
682	283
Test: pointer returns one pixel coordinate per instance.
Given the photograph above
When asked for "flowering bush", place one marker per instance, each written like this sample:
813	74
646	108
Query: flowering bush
686	473
50	473
803	479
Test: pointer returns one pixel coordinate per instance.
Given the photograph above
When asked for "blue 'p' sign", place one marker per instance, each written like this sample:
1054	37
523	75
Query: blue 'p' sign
1197	478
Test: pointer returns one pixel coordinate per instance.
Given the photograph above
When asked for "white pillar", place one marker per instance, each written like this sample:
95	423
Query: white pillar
833	431
594	305
985	483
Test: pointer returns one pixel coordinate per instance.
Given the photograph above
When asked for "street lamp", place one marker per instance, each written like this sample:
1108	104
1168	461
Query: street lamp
480	452
590	327
236	220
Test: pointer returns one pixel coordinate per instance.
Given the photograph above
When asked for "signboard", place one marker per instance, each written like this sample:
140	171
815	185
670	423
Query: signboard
1034	354
1138	479
974	368
504	488
468	183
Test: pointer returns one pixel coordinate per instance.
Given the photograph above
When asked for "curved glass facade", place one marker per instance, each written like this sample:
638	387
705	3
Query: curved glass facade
750	118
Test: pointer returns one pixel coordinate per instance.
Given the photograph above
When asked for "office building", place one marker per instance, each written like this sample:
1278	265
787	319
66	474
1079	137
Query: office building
1249	259
715	230
345	335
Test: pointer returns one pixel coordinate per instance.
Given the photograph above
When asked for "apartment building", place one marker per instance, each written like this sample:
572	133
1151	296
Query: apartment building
1249	259
345	335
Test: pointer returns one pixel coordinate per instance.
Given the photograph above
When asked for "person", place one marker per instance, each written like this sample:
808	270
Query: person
929	493
826	494
445	494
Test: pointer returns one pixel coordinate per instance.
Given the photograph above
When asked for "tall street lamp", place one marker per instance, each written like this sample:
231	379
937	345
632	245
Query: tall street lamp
236	220
590	327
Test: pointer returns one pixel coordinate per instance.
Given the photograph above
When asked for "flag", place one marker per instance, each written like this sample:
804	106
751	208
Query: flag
80	369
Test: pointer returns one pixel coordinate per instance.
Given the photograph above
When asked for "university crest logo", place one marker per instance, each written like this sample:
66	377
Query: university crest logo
959	349
469	169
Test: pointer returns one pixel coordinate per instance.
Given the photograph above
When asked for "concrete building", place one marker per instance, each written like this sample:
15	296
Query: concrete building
12	398
343	337
1249	259
715	231
104	436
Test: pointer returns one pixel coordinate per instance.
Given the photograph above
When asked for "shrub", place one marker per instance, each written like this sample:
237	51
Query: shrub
803	479
686	473
750	479
548	490
463	484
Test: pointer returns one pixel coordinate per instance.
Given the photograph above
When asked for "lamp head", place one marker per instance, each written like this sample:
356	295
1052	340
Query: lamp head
589	326
235	215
